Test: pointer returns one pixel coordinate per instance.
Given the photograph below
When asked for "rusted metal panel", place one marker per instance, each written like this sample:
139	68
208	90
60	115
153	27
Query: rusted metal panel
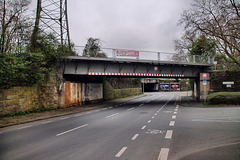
73	94
77	93
67	100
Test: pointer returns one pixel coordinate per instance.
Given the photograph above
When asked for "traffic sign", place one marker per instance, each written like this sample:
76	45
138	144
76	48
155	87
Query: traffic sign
204	81
204	75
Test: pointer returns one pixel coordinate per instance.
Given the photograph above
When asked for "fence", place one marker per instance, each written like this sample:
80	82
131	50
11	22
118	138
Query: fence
151	55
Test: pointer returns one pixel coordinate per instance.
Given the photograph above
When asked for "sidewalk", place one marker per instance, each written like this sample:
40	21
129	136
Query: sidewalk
187	100
10	121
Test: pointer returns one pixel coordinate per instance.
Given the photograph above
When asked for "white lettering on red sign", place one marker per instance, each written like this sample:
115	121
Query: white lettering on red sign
127	53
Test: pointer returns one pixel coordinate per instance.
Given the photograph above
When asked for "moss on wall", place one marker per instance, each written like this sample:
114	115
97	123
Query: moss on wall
21	99
110	93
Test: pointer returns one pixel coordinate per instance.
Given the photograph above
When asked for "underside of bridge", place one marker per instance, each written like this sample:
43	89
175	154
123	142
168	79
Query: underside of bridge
85	66
92	70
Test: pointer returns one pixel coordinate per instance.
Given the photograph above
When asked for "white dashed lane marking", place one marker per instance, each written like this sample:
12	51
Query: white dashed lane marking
135	136
112	115
130	109
169	134
163	155
121	152
172	123
72	130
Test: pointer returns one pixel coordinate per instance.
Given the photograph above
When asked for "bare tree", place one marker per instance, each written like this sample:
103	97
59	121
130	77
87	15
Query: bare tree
218	19
15	25
93	48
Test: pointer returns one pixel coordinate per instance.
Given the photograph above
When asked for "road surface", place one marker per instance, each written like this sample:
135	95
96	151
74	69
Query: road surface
152	127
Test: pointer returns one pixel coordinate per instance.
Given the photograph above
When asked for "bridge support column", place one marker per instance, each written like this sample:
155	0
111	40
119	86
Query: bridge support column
197	89
206	87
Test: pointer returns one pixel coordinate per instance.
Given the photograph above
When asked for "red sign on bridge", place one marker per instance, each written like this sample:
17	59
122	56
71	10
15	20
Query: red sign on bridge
127	53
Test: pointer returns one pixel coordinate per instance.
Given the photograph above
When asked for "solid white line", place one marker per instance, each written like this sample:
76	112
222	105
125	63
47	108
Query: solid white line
46	122
169	134
25	127
130	109
72	130
163	155
143	127
89	112
172	123
64	118
97	110
174	117
78	115
134	137
121	152
166	103
149	121
112	115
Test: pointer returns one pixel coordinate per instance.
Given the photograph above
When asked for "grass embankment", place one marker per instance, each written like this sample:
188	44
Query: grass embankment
28	112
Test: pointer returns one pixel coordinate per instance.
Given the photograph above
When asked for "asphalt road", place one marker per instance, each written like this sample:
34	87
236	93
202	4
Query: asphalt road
153	127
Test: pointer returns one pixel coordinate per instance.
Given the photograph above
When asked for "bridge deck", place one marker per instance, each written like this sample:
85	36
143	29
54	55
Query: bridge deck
122	60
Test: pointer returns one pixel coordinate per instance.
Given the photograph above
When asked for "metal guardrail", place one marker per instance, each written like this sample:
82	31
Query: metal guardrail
153	56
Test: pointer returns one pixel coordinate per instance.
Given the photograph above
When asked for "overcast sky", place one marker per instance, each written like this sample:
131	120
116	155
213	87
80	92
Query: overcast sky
131	24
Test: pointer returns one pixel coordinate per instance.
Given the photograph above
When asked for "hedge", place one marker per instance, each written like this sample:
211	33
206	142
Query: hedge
231	98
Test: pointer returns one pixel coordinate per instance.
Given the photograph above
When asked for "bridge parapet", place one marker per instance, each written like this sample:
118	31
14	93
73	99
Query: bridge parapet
140	55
